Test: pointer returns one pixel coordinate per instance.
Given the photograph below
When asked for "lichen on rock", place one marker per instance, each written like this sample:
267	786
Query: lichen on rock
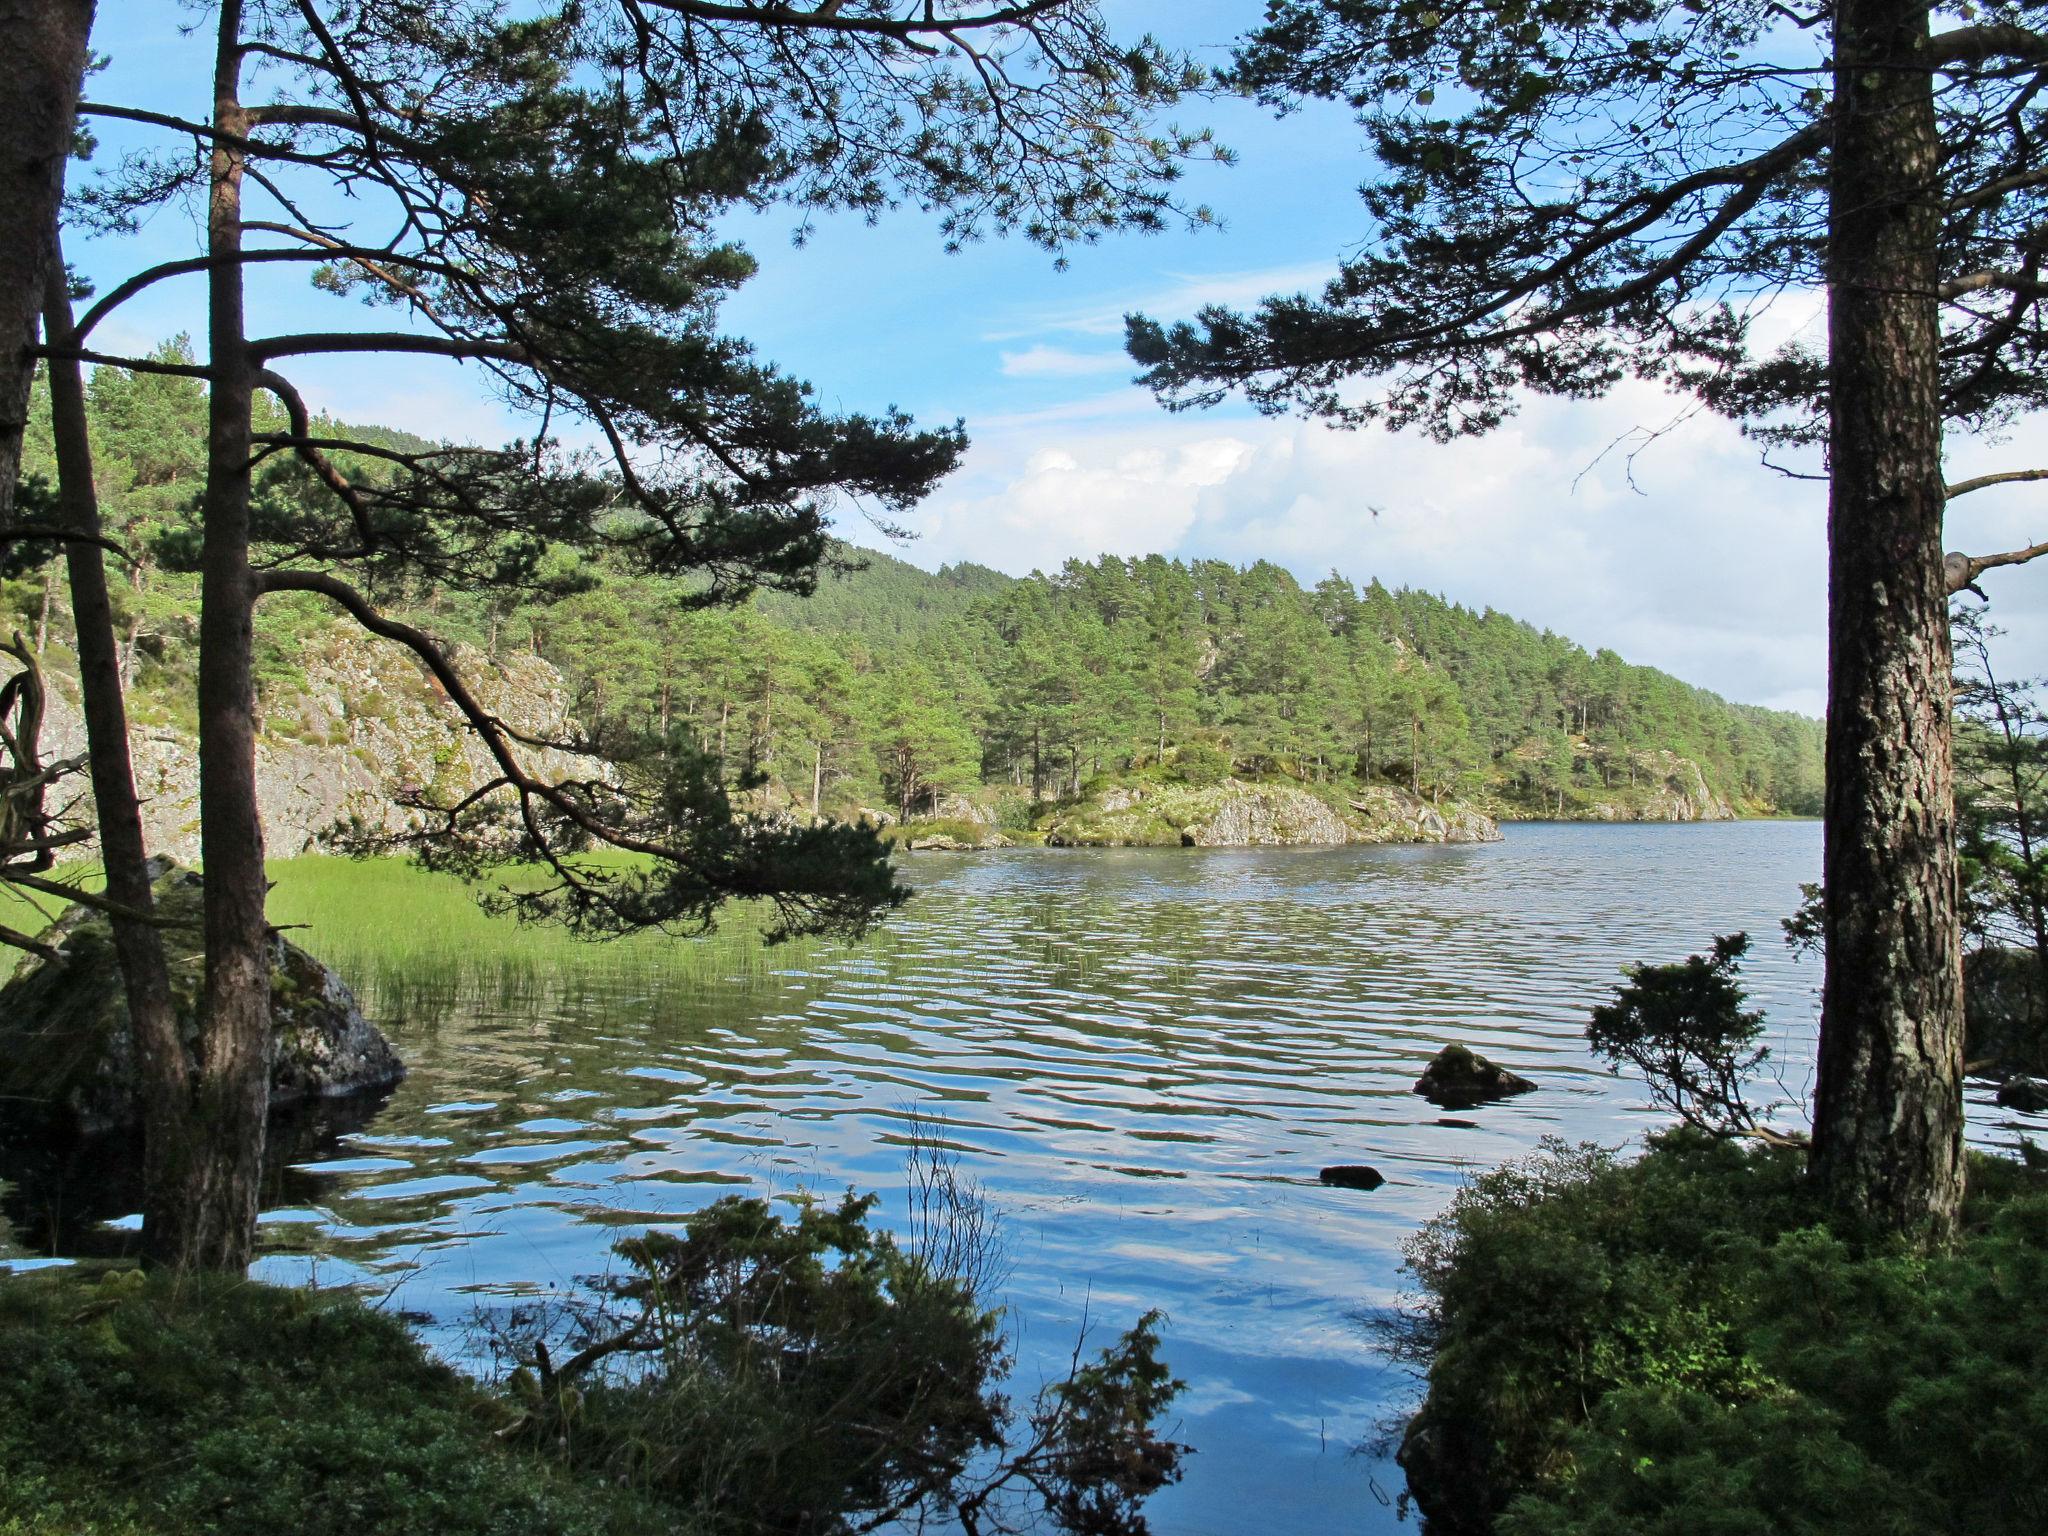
1237	813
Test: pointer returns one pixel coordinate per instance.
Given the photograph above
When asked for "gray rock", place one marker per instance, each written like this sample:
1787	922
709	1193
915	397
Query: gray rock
1457	1078
960	808
336	748
65	1045
1352	1176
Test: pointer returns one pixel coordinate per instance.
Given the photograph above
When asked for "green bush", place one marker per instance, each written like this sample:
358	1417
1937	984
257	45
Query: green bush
1684	1029
1682	1344
1201	764
812	1377
135	1405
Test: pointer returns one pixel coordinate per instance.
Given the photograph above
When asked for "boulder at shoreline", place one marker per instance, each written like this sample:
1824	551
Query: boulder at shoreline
65	1047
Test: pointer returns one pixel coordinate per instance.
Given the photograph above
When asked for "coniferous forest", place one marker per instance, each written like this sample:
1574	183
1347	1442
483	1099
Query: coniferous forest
615	1140
892	687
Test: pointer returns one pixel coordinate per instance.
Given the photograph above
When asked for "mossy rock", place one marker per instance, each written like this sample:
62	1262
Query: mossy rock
1458	1077
66	1053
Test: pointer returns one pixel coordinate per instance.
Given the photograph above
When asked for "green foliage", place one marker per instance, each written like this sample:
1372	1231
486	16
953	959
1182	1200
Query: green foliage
236	1409
2002	829
1201	764
1681	1344
890	679
800	1371
1684	1030
813	1377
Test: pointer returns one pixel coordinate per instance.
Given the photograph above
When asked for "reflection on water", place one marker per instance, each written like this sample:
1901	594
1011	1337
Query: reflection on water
1145	1057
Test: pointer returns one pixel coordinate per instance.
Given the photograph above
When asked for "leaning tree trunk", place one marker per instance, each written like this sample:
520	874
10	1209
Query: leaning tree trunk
1888	1117
43	44
164	1067
210	1221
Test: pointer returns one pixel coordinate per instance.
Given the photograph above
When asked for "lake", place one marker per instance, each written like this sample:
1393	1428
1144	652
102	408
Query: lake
1144	1057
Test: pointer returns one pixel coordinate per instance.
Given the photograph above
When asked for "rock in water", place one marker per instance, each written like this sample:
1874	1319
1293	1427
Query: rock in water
2026	1094
1457	1078
1353	1176
64	1040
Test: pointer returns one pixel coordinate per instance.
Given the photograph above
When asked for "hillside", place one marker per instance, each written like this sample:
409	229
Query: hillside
896	689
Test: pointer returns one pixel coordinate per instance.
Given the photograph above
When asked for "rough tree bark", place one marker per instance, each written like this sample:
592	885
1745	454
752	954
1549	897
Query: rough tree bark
43	44
215	1211
164	1067
1888	1133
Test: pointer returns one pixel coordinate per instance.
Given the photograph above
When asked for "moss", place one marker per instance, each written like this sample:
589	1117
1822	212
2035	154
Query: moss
973	833
129	1405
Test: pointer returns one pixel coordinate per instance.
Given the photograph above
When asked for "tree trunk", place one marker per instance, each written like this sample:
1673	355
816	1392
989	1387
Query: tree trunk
43	44
43	611
817	777
127	659
164	1068
215	1210
1888	1112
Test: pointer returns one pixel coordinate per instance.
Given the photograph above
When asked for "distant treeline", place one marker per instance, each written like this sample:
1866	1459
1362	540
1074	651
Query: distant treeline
892	685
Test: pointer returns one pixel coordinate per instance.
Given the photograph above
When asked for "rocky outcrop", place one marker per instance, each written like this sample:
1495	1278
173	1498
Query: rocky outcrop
1267	815
65	1050
1458	1078
961	808
1238	814
335	747
1662	787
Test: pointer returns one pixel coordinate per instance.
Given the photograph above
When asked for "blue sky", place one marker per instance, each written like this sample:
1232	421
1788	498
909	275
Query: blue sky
1698	560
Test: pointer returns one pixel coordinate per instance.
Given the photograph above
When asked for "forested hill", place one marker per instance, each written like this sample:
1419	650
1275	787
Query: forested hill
1104	665
892	686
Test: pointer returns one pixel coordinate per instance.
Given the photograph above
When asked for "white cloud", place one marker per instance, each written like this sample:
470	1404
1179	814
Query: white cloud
1709	565
1043	362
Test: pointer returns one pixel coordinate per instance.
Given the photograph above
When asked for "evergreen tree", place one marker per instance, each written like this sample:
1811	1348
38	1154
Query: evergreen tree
553	177
1603	192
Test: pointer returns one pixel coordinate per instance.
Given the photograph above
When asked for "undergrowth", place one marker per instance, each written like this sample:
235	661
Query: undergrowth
1682	1344
136	1405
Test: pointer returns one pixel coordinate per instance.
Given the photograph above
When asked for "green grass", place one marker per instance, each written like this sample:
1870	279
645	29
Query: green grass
401	933
130	1405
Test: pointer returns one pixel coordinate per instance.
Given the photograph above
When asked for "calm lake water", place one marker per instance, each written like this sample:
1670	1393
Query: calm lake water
1143	1056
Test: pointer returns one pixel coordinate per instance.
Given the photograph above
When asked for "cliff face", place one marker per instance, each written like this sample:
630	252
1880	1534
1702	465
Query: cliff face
367	723
1236	814
1667	787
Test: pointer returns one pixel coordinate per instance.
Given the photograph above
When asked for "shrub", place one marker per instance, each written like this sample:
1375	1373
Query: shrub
1201	764
1682	1344
244	1410
812	1377
1683	1027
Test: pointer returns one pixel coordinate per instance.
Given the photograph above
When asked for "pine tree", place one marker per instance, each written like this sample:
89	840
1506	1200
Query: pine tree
554	177
1602	193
